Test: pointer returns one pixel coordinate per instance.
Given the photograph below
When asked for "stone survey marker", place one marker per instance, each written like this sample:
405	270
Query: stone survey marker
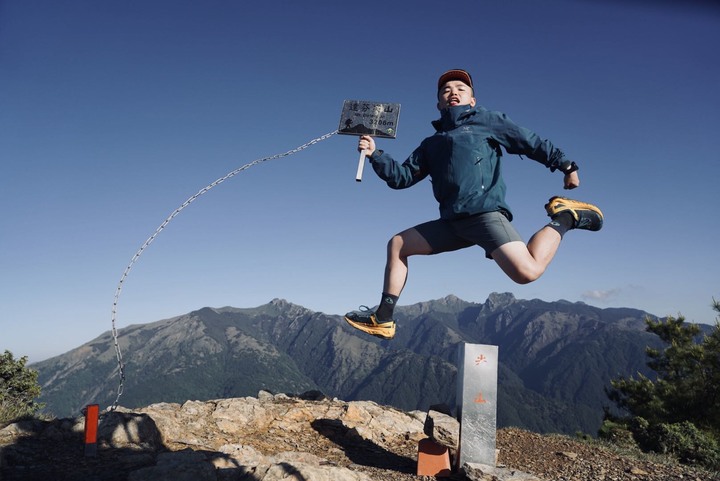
477	403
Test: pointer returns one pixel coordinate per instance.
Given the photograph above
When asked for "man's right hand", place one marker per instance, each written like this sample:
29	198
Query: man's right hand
367	144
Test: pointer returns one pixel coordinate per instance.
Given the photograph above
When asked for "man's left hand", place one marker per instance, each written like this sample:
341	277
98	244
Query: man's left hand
571	180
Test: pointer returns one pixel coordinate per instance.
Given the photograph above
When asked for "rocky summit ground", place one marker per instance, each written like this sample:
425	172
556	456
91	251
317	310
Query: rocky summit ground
273	438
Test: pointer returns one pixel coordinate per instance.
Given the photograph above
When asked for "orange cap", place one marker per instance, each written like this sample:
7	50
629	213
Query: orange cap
455	74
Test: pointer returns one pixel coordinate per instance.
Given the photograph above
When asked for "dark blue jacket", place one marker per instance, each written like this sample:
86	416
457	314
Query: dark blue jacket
463	160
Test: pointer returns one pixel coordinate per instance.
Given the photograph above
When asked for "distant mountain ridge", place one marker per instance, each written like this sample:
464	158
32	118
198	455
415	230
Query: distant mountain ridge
556	358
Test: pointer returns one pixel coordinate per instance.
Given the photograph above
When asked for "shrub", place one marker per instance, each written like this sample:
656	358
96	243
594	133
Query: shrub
681	440
617	433
18	389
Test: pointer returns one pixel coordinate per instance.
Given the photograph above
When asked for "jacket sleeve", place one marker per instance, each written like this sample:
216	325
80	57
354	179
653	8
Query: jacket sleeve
396	175
521	141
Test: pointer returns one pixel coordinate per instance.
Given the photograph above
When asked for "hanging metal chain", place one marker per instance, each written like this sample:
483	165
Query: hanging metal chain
146	244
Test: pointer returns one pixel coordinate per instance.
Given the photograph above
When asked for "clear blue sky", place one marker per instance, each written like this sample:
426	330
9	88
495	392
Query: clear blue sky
112	114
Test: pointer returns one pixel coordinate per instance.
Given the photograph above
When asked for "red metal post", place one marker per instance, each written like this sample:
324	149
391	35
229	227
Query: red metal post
92	413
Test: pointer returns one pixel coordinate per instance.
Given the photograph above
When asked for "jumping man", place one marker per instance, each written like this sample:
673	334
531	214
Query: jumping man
463	159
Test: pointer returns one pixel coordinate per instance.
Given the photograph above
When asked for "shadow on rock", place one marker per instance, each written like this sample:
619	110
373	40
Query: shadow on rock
360	450
129	448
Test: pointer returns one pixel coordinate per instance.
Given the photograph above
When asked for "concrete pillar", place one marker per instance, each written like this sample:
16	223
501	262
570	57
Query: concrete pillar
477	403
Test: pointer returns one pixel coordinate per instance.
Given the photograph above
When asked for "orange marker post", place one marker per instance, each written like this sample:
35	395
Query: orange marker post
92	413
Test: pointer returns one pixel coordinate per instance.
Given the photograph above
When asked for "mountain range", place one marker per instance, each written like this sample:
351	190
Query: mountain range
556	359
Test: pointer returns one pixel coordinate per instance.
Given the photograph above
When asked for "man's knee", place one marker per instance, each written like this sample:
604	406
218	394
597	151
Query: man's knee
524	277
516	262
395	244
408	243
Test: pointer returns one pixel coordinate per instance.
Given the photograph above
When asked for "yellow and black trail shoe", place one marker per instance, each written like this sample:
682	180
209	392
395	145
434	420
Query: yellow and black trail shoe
366	321
587	216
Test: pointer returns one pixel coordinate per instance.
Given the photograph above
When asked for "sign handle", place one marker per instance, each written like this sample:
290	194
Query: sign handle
361	165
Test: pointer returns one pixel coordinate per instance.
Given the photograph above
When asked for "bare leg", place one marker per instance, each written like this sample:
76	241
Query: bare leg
524	264
399	248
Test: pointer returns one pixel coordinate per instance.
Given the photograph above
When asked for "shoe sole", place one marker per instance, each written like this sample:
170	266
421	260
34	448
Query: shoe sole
569	204
377	331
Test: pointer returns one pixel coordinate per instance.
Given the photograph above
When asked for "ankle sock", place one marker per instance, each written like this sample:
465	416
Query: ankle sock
562	223
387	306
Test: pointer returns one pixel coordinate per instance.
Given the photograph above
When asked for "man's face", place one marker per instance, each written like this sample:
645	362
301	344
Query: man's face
455	92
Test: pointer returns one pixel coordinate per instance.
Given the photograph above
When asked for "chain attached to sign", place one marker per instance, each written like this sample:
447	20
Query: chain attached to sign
175	213
362	117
